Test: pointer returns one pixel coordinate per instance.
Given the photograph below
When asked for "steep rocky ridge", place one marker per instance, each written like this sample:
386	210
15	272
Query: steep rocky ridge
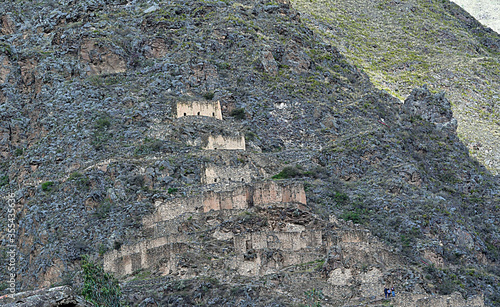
92	147
404	44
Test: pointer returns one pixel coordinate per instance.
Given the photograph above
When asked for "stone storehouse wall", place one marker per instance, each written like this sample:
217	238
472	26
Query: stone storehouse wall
225	142
222	174
268	252
143	255
199	108
241	197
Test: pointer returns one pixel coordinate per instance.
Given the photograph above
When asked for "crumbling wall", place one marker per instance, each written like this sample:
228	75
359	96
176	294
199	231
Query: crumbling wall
289	241
222	174
146	254
241	197
166	243
225	142
199	108
261	253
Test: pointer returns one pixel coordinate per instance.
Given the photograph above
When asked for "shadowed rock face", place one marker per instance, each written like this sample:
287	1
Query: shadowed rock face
433	108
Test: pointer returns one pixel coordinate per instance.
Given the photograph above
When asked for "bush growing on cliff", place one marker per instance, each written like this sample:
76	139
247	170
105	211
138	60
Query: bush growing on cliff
289	172
47	186
4	180
208	95
99	288
238	113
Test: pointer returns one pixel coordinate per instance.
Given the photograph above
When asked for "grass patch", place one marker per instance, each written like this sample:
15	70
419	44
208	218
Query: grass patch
47	186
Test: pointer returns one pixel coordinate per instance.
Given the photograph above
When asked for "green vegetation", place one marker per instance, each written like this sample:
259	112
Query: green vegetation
250	136
341	198
104	208
5	48
47	186
105	80
149	146
238	113
314	297
172	190
101	135
358	214
99	288
209	95
82	181
289	172
4	180
403	49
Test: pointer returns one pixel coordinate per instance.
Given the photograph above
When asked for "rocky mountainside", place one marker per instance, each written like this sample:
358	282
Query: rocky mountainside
227	153
405	44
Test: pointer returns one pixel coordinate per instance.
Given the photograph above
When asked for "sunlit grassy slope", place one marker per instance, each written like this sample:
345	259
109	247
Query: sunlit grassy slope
486	11
402	44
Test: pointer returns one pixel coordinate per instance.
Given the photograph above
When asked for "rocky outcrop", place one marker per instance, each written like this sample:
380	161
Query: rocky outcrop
434	108
101	58
53	297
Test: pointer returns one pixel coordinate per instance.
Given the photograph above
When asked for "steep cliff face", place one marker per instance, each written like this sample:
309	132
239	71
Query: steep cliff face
101	163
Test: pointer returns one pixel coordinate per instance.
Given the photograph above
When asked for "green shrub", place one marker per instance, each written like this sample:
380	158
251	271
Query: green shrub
47	186
289	172
172	190
3	286
101	135
4	180
18	152
104	209
209	95
81	181
359	214
149	146
351	216
250	136
341	198
238	113
102	123
314	297
99	288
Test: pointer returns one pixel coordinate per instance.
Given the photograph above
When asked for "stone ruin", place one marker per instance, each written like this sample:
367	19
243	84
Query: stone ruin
165	247
225	142
213	174
199	108
353	263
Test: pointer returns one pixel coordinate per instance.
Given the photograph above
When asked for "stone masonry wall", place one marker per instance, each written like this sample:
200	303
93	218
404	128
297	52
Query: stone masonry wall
144	255
225	142
220	174
198	108
241	197
164	249
263	253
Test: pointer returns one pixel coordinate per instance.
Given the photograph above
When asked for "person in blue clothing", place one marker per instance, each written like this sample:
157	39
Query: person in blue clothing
386	292
393	292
